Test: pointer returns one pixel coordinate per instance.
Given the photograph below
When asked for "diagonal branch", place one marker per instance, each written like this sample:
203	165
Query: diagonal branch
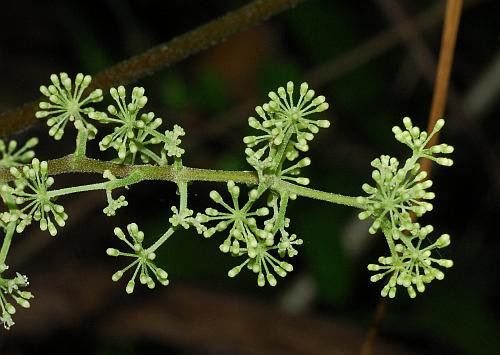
448	41
162	55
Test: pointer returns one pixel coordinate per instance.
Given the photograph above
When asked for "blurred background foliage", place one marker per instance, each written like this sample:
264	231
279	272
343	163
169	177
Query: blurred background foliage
350	51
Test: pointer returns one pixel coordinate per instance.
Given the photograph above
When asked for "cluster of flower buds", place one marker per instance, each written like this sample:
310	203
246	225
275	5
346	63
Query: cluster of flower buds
31	195
245	237
240	219
143	260
417	141
262	263
171	144
398	193
411	266
113	204
182	217
12	288
67	103
286	127
11	156
133	132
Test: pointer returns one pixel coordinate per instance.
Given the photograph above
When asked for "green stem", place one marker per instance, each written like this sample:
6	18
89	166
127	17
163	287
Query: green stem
108	185
281	185
280	221
261	188
280	154
386	229
81	142
161	240
11	228
137	173
182	186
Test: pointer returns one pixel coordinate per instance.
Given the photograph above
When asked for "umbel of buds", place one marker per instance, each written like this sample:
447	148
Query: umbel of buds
32	196
399	191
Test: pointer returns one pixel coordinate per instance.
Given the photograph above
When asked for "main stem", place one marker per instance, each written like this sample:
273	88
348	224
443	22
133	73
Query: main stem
132	174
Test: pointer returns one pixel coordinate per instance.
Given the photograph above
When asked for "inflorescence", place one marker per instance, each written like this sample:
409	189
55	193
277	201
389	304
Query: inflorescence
253	225
67	104
398	194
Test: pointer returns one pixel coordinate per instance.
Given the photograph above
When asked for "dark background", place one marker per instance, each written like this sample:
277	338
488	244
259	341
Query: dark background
353	53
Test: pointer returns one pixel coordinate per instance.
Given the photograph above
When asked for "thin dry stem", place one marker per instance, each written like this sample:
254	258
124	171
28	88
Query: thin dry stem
448	41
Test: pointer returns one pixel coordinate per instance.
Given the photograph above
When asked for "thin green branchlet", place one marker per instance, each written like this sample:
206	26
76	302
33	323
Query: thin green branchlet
252	221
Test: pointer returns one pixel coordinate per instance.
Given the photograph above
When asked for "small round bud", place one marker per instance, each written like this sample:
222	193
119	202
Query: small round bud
130	287
439	124
117	276
264	211
271	279
302	181
215	196
234	271
112	252
261	281
443	241
10	308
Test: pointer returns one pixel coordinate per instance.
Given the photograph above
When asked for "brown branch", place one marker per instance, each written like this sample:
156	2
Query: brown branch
162	55
368	346
448	41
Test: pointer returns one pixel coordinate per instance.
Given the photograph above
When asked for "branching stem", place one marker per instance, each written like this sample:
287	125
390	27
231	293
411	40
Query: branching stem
81	143
132	174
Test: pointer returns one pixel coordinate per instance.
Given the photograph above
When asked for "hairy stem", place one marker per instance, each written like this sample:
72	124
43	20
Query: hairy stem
161	240
280	155
11	227
280	185
133	178
132	174
183	190
387	229
280	221
446	53
81	143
